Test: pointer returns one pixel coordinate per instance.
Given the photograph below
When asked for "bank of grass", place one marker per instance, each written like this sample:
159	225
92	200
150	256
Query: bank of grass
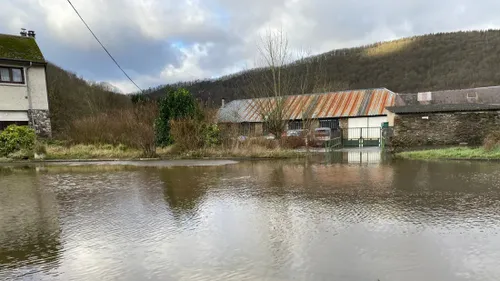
249	152
81	151
453	153
103	152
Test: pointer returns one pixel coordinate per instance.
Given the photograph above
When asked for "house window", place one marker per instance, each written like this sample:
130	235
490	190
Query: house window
13	75
329	123
295	125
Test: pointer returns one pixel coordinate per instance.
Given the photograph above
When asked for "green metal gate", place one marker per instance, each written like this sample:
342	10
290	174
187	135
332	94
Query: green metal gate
362	137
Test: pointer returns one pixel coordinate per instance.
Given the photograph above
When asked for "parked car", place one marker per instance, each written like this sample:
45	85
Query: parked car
269	137
321	135
295	133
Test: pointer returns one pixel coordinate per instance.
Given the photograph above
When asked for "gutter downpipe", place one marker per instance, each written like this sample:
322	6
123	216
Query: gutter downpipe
30	102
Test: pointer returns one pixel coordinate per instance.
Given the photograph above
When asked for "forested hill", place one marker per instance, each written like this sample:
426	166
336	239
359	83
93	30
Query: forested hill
422	63
71	97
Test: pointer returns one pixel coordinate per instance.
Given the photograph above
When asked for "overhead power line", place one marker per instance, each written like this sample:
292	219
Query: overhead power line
99	41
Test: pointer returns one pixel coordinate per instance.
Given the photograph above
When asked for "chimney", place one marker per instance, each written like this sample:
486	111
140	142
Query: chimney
31	33
23	32
223	102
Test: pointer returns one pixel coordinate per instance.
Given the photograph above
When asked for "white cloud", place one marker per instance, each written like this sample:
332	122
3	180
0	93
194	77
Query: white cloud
189	68
218	36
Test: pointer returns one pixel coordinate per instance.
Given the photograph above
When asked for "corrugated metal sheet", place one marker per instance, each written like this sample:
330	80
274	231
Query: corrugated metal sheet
329	105
436	108
482	95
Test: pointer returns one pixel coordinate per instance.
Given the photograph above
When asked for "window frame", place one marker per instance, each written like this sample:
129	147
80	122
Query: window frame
295	124
11	76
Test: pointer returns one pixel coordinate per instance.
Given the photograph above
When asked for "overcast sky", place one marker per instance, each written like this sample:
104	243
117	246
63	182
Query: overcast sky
163	41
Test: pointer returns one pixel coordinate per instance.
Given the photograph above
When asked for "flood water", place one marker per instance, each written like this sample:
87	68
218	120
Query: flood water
350	216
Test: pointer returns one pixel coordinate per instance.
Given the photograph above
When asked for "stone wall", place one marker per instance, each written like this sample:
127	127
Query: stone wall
411	130
40	121
344	125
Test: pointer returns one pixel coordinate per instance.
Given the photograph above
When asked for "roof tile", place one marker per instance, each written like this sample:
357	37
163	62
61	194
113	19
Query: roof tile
20	48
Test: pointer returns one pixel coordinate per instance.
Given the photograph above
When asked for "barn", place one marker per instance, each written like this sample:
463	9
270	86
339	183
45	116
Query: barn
357	115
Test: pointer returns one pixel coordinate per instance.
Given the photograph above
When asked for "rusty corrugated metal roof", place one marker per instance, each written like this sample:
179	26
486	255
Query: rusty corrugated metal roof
371	102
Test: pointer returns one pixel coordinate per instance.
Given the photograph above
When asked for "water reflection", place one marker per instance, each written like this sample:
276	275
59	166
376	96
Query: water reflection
29	225
184	187
357	156
313	219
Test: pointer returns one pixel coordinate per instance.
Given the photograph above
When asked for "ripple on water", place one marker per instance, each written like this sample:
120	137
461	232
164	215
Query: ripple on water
269	220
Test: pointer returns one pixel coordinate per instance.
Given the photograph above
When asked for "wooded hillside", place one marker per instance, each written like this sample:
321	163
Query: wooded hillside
71	98
422	63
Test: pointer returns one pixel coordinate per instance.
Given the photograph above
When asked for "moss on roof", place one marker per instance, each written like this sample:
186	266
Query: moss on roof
20	48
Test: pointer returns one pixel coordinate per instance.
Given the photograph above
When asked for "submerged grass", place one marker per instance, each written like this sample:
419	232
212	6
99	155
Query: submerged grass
452	153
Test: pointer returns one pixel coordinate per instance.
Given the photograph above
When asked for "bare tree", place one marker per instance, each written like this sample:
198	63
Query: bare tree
285	71
271	88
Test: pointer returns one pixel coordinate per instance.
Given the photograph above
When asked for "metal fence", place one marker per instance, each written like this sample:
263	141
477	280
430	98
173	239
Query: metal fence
359	137
362	133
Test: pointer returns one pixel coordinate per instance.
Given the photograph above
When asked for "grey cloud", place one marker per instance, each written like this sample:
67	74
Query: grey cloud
140	33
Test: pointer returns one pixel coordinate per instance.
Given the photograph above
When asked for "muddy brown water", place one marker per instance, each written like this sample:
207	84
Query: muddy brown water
340	217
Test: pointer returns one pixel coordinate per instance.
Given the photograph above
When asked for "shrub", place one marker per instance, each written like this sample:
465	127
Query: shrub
40	148
177	104
211	135
22	154
187	134
263	142
16	138
293	142
492	141
191	134
132	127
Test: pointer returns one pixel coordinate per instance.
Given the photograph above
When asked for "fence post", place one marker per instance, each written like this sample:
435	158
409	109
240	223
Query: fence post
381	138
360	137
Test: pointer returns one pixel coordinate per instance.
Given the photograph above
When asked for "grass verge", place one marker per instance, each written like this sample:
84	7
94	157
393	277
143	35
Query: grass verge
62	152
247	152
452	153
91	152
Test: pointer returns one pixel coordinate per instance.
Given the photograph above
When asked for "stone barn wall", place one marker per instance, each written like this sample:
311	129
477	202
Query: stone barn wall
440	129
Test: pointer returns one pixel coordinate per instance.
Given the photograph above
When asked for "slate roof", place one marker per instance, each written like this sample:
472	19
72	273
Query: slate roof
483	95
21	48
370	102
438	108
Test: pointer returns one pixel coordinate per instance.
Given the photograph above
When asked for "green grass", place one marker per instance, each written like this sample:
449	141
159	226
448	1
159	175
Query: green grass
59	151
452	153
91	152
246	152
62	152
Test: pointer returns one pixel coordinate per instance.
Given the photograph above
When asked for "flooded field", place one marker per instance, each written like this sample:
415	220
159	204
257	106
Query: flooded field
345	216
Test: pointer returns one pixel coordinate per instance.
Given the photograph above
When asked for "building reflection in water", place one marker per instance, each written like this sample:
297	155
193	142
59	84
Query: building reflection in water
29	221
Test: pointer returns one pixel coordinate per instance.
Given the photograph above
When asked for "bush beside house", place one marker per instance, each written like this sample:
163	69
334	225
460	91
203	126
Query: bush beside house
17	142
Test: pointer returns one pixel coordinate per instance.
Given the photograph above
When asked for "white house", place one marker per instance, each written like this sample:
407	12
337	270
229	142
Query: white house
23	85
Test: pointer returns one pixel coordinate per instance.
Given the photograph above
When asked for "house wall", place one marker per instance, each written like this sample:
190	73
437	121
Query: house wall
390	118
27	102
258	129
38	88
14	97
14	116
413	130
366	122
344	125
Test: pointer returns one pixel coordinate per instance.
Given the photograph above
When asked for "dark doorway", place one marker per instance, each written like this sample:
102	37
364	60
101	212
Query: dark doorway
332	123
